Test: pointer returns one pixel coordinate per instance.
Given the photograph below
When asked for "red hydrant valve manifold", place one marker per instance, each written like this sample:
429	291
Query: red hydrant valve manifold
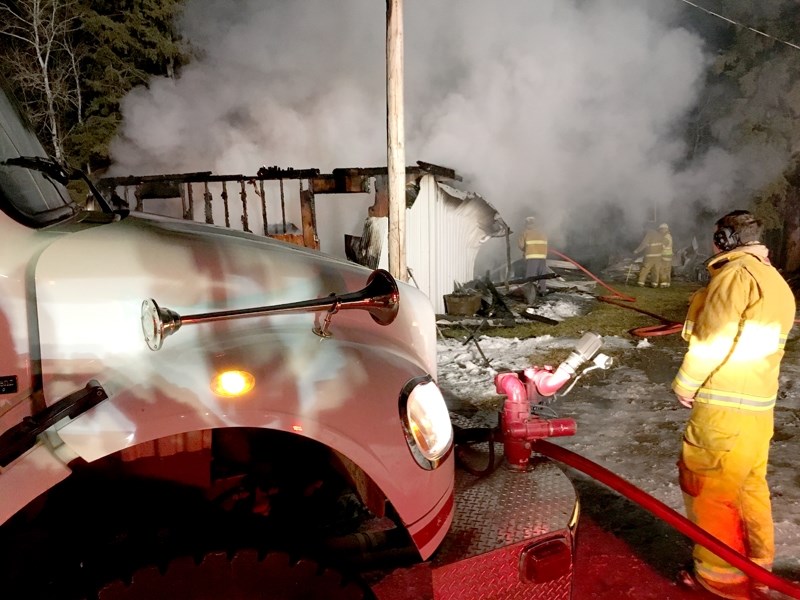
518	426
529	387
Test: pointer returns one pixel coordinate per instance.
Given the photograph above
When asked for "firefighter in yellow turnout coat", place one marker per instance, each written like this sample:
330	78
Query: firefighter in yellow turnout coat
736	328
652	246
533	243
665	270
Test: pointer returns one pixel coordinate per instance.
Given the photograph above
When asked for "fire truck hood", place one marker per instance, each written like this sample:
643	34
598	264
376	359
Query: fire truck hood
90	285
342	390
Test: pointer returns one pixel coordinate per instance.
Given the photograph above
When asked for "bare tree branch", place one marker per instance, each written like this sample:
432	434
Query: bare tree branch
41	30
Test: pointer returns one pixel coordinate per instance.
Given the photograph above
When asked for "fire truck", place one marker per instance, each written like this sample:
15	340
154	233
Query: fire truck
192	412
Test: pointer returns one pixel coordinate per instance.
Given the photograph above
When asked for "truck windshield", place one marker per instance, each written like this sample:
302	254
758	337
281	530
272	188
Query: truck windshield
27	193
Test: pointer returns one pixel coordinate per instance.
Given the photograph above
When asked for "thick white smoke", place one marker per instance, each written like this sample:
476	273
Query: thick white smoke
556	107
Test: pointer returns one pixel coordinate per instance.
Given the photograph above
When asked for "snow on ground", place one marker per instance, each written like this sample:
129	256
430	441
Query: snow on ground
629	420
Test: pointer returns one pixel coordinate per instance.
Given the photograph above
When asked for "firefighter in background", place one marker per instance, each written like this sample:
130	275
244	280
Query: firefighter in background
533	243
665	271
652	246
736	328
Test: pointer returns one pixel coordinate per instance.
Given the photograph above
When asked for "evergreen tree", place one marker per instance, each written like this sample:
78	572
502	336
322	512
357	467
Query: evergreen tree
72	61
766	112
131	41
752	99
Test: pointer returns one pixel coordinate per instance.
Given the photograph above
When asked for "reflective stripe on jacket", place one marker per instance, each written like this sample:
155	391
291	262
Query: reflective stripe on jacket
666	247
736	328
652	244
533	243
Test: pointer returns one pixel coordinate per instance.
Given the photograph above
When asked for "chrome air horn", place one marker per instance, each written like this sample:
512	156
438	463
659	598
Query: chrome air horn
380	298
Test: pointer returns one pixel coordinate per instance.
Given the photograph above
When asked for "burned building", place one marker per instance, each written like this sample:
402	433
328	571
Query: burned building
445	225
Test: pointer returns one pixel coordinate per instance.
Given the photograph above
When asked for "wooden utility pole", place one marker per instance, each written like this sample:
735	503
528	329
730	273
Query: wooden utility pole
395	140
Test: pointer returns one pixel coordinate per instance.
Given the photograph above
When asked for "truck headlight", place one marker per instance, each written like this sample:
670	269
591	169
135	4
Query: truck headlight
426	422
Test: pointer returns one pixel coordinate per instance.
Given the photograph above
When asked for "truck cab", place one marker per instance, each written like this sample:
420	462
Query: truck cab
185	406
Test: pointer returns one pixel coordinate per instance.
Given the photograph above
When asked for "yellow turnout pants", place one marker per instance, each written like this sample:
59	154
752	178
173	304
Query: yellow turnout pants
723	470
665	272
650	266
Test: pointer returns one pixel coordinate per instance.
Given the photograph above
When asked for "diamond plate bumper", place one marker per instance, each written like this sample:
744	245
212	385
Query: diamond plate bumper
499	519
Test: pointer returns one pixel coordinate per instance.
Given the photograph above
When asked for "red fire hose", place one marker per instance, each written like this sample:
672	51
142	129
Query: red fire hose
615	293
667	327
666	514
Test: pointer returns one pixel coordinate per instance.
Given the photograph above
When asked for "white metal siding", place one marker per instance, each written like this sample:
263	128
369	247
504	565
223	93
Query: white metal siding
443	239
443	236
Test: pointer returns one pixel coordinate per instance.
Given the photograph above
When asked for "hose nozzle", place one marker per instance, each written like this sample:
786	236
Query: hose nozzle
586	348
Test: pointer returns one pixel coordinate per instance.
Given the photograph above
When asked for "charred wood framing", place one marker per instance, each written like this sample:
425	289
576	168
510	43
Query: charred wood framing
225	203
283	206
189	216
339	181
308	217
243	196
207	203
